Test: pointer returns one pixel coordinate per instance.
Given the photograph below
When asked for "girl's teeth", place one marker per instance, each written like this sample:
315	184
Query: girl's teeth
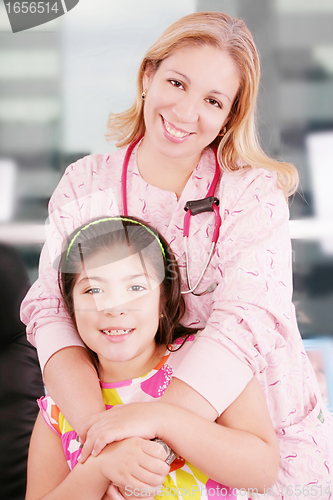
116	332
173	132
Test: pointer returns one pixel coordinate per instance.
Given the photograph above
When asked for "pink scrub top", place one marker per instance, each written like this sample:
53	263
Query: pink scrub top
248	321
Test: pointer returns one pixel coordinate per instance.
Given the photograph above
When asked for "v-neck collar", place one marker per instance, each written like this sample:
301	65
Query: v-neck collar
170	222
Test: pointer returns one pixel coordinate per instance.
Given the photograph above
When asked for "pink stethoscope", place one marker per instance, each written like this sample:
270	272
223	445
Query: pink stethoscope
195	207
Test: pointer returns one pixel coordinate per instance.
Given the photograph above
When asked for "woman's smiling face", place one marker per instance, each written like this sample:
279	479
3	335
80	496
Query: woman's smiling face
188	101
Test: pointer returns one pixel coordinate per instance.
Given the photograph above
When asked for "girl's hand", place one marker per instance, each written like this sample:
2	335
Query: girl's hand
113	493
135	465
116	493
118	423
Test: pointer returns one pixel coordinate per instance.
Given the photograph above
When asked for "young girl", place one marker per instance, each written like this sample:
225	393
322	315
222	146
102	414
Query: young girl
121	286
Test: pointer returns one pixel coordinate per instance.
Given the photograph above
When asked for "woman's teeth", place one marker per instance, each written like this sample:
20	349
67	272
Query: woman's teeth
174	132
117	332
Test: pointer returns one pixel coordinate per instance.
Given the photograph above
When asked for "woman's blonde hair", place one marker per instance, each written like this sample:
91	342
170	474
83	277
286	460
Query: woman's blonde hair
240	145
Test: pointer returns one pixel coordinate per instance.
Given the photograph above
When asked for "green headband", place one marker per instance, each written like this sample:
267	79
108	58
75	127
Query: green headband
114	219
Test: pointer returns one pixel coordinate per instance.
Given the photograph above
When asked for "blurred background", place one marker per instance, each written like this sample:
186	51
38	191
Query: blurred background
59	81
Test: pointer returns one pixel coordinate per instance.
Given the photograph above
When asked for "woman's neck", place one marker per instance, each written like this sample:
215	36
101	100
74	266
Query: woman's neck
170	174
111	371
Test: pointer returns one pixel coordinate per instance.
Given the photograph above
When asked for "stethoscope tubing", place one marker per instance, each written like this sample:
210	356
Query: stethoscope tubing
190	288
124	173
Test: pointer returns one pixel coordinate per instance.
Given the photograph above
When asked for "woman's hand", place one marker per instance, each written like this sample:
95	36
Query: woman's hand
135	465
118	423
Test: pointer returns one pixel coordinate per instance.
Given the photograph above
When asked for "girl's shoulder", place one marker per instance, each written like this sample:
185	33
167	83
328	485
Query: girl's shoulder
53	416
50	413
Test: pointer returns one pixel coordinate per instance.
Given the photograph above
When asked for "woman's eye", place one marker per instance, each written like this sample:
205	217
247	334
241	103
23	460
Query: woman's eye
215	103
94	290
176	83
137	288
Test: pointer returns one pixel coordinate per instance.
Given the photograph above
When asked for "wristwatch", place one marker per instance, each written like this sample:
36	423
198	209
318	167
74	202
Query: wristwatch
171	455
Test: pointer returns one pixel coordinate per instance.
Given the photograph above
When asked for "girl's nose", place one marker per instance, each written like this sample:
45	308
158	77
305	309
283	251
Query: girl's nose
111	302
115	311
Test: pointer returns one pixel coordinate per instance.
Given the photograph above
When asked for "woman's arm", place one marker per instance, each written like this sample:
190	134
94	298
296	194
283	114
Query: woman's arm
249	315
178	393
182	395
134	462
241	451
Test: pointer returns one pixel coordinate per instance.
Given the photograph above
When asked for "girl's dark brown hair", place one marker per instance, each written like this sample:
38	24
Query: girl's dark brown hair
128	235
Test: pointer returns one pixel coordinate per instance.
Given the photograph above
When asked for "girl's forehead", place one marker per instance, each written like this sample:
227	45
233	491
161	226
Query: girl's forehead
117	259
119	265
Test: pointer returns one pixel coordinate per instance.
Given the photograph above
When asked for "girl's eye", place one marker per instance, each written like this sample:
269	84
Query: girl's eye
137	288
94	290
176	83
214	102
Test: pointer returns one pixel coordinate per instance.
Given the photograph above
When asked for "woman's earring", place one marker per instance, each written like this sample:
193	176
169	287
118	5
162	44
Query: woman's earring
143	95
222	132
162	315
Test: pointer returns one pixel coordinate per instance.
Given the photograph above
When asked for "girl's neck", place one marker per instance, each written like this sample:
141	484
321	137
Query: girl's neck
170	174
111	372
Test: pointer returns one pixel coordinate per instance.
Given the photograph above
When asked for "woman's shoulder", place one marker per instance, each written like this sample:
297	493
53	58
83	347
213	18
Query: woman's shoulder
92	164
89	174
242	181
249	186
247	176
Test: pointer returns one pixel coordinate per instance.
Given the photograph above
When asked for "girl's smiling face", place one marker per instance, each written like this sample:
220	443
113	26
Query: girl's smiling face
189	98
116	307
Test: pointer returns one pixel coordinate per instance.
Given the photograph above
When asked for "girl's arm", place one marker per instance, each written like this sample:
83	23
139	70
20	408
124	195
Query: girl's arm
74	364
242	451
49	477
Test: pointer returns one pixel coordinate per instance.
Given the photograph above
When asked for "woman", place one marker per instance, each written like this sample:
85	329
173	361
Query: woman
197	89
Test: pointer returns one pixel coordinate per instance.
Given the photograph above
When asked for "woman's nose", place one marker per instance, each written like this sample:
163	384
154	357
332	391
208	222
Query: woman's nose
186	110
